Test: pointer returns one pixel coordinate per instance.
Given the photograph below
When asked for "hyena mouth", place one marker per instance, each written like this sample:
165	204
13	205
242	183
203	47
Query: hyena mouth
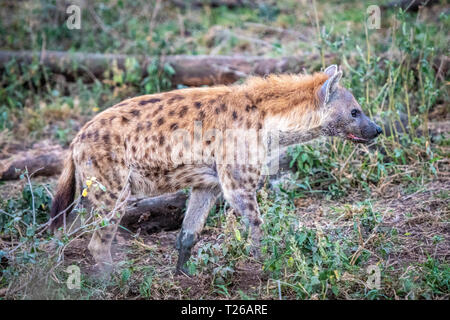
354	138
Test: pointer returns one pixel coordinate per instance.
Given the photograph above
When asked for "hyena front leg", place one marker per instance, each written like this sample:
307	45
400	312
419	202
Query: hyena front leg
200	203
239	184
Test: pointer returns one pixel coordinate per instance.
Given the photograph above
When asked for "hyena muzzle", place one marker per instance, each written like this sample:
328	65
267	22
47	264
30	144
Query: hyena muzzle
134	148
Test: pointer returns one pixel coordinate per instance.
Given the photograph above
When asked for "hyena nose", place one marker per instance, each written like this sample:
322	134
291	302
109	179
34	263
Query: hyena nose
379	130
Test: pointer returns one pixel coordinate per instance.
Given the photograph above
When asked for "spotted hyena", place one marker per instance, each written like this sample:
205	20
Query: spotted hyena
161	143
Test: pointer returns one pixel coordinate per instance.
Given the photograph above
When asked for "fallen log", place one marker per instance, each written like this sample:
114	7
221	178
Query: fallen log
161	213
411	5
42	160
189	70
212	3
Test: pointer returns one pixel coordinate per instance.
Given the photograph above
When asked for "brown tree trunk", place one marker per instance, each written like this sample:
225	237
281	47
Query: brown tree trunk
161	213
189	70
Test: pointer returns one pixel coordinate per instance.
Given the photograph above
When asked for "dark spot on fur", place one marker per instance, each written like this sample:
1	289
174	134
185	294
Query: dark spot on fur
96	135
174	126
171	113
198	104
148	125
160	121
124	120
106	138
135	112
251	207
108	236
201	115
235	115
103	122
175	98
153	100
133	148
223	107
255	222
161	140
183	111
157	110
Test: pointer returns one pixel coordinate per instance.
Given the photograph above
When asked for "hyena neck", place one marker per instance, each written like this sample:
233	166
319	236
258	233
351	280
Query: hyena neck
290	106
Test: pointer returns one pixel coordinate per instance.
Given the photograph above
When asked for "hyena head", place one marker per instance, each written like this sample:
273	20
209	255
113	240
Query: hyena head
345	116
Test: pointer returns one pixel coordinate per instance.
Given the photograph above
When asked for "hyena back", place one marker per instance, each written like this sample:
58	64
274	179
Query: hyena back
161	143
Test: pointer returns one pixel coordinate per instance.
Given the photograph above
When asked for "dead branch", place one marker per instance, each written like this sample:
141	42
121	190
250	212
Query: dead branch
164	212
44	160
189	70
411	5
212	3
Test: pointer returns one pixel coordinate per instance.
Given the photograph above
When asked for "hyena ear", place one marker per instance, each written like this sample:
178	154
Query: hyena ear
331	70
330	86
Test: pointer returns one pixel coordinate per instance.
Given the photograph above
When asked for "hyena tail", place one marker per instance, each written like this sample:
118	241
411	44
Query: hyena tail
65	194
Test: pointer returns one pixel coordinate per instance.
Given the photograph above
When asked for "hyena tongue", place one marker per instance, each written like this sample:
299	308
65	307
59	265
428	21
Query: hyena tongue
353	137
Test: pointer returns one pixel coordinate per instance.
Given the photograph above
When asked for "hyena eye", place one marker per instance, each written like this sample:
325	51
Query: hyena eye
355	113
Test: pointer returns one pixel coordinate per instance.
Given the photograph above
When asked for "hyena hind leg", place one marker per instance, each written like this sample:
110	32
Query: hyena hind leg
100	243
200	203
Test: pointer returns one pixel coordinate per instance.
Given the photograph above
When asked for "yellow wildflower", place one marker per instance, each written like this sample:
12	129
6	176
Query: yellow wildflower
89	182
84	193
237	235
290	261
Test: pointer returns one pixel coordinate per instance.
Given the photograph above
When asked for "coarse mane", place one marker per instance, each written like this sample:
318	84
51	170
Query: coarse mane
278	94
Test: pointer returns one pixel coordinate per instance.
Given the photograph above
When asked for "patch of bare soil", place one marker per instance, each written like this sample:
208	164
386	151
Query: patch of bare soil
420	219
